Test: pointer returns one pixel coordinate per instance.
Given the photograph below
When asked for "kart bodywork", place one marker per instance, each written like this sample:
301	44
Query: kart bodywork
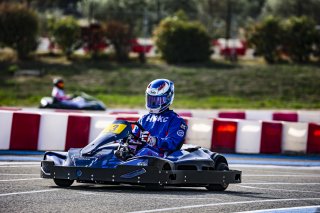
86	103
99	163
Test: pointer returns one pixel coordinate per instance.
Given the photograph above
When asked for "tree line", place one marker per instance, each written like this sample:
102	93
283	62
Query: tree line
278	30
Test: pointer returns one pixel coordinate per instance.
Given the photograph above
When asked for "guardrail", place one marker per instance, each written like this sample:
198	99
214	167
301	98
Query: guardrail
50	130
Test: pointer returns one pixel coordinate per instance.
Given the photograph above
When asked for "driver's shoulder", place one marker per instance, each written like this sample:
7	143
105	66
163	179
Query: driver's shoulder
176	118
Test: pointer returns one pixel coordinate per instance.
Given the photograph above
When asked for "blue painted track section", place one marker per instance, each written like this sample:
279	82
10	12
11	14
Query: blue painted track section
20	152
275	163
275	160
19	158
270	156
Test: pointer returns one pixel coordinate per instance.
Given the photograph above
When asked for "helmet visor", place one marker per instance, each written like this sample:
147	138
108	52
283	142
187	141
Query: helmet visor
156	101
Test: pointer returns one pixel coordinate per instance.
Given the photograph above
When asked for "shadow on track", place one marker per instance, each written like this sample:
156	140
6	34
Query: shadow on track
134	189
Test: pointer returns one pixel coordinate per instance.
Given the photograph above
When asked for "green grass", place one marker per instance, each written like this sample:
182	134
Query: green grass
211	85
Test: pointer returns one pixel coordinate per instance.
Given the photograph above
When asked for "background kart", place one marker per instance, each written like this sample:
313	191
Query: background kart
106	161
81	102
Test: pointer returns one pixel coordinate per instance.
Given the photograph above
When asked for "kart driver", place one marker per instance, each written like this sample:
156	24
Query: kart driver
58	90
165	131
58	95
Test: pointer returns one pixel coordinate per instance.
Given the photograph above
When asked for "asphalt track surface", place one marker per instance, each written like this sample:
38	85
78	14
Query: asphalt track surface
274	188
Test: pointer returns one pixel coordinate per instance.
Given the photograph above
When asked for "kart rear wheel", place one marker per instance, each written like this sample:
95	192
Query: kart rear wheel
63	182
219	187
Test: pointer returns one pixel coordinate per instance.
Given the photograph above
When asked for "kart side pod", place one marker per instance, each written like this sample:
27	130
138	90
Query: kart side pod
139	175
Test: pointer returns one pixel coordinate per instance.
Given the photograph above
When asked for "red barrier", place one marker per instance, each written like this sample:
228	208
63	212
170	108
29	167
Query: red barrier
24	131
78	131
140	48
285	116
313	142
131	119
224	136
124	112
10	108
233	115
271	137
185	114
68	110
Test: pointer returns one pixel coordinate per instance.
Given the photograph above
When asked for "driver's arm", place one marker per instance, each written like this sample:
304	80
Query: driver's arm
176	134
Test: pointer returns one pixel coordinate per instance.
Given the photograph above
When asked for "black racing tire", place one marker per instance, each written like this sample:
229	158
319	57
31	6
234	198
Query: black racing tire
63	182
219	187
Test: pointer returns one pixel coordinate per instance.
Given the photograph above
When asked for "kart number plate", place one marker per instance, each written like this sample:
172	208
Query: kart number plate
114	128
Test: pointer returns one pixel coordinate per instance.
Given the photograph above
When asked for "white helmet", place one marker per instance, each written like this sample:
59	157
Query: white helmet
159	95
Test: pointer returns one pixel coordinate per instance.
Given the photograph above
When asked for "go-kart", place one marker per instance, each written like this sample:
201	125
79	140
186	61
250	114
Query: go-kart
107	160
79	102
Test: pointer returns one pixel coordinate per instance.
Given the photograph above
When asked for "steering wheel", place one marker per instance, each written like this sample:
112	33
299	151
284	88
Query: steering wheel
124	152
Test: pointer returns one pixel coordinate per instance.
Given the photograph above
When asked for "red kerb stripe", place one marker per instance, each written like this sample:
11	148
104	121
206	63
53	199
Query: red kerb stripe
285	116
25	131
78	131
313	142
271	136
233	115
224	136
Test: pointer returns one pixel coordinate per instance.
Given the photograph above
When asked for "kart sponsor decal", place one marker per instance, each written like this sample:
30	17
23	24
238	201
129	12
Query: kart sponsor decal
180	133
153	91
114	128
154	118
134	173
182	126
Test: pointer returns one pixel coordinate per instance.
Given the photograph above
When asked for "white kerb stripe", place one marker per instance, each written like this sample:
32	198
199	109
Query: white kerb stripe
15	174
24	179
280	183
228	203
52	131
248	137
5	129
294	137
282	190
281	175
28	192
290	209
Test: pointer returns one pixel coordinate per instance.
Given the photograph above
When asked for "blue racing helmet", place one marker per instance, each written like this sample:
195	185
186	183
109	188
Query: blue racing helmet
159	95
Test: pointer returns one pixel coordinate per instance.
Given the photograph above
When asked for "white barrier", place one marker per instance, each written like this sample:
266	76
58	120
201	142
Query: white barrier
204	113
248	137
294	137
98	123
264	115
200	132
5	128
60	130
53	130
309	116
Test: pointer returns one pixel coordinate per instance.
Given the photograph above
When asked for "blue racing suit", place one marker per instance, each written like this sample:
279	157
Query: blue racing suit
168	128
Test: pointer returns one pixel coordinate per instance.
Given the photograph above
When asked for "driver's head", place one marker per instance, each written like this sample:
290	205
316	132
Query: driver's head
58	82
159	95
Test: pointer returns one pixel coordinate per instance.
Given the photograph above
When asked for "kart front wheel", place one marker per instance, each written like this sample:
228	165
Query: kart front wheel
219	187
63	182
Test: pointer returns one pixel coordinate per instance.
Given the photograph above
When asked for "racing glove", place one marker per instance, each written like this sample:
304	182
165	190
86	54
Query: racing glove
147	138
